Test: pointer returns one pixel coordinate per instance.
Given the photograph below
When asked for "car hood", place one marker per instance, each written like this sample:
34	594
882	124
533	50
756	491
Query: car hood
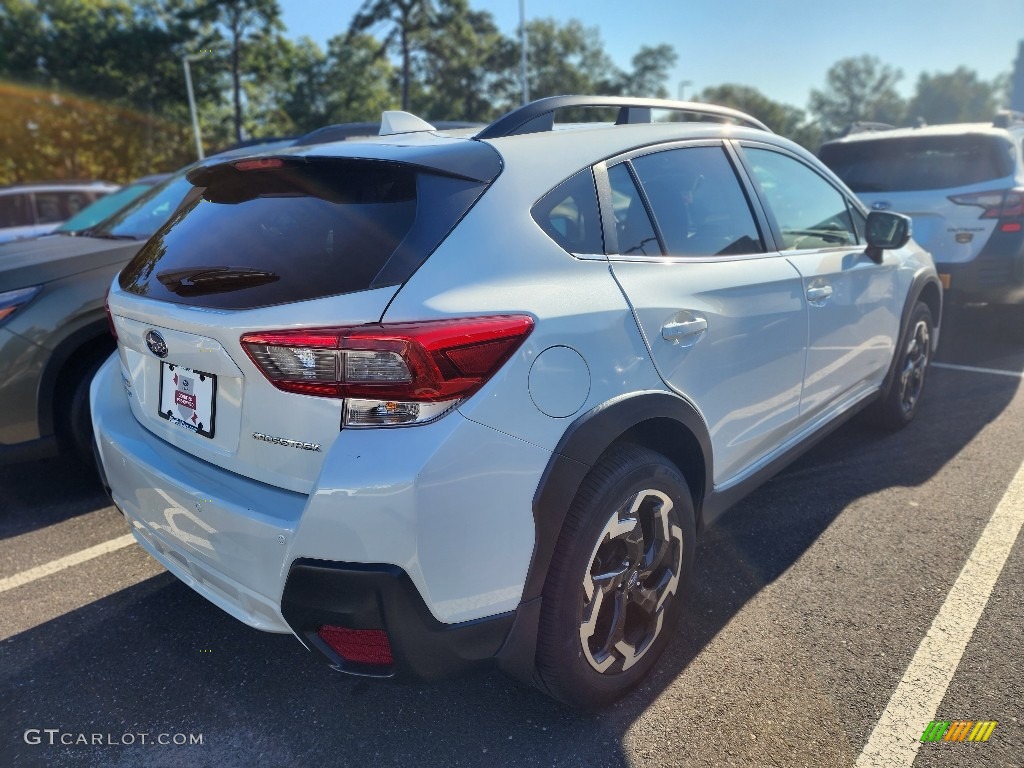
38	261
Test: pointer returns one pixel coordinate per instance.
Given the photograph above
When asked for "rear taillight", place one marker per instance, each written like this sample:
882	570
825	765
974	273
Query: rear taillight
110	317
998	204
361	646
390	374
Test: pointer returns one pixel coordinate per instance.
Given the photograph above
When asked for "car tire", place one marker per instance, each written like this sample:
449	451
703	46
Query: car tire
620	570
900	404
76	419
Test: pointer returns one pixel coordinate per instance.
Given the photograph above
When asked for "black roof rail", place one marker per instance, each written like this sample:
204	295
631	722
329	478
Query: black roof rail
1007	117
867	127
539	116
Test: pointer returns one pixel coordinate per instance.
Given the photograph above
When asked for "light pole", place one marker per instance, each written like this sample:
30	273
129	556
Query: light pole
522	52
192	105
682	87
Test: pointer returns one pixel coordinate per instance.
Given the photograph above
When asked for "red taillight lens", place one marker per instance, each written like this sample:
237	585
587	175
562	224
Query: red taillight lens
360	646
110	317
428	362
998	204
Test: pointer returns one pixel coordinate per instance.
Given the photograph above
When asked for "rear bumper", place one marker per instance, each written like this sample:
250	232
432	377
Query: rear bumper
996	276
424	532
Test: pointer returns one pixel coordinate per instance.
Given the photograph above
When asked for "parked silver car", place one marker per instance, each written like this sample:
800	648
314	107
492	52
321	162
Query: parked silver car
28	210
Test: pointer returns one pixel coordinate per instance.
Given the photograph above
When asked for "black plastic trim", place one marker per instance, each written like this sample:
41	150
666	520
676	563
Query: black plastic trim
538	116
581	446
381	596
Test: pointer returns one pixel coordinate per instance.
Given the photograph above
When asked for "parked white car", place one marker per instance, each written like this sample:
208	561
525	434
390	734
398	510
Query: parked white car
426	400
963	186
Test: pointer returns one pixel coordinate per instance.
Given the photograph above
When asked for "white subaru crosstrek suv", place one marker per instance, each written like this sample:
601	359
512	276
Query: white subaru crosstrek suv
962	184
427	400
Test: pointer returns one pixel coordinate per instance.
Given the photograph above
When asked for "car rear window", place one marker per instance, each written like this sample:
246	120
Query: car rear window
300	231
913	163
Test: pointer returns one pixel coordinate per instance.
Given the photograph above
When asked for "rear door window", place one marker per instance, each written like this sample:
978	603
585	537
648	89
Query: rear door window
912	163
698	203
632	221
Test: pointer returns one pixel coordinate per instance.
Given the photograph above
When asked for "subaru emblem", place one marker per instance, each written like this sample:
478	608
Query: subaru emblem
881	205
156	344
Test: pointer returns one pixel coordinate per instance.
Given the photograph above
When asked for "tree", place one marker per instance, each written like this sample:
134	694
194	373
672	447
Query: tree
857	89
1017	81
81	107
247	23
466	60
954	97
651	66
407	17
784	119
357	80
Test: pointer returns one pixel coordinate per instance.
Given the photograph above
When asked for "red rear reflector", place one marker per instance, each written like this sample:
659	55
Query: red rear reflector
1010	227
259	163
360	646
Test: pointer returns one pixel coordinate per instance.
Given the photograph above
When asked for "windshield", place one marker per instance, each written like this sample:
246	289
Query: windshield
148	213
93	214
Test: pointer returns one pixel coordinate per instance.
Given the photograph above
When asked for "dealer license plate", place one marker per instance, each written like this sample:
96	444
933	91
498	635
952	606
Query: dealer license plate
188	398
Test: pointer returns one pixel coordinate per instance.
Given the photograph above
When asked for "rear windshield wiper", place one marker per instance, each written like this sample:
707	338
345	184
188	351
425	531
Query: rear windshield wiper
196	281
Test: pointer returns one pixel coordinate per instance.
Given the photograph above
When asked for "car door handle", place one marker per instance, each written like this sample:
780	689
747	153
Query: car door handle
819	294
684	330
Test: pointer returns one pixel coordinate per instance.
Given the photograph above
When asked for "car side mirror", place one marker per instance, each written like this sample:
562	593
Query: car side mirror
886	230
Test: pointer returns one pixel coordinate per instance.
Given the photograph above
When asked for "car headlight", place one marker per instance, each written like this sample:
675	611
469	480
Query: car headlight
12	301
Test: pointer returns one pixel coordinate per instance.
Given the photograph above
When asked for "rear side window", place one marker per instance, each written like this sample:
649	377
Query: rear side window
14	211
270	236
51	207
919	162
568	214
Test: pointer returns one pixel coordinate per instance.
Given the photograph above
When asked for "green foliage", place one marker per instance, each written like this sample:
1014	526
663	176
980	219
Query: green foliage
857	89
409	19
465	60
954	97
96	87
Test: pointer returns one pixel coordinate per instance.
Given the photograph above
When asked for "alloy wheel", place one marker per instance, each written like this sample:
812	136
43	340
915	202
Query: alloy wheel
634	571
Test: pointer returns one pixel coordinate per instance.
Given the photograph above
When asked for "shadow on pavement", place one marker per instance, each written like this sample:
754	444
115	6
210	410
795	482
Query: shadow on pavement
36	494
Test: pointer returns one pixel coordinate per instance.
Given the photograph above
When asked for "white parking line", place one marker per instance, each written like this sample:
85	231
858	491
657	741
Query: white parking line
55	566
896	737
972	369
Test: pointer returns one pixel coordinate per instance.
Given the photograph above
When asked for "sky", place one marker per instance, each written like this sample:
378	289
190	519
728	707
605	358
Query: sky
781	47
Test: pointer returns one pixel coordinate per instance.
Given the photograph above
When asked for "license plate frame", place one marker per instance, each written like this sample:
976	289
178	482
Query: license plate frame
191	399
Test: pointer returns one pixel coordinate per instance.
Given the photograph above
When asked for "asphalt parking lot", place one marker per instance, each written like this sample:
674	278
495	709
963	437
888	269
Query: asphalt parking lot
812	599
